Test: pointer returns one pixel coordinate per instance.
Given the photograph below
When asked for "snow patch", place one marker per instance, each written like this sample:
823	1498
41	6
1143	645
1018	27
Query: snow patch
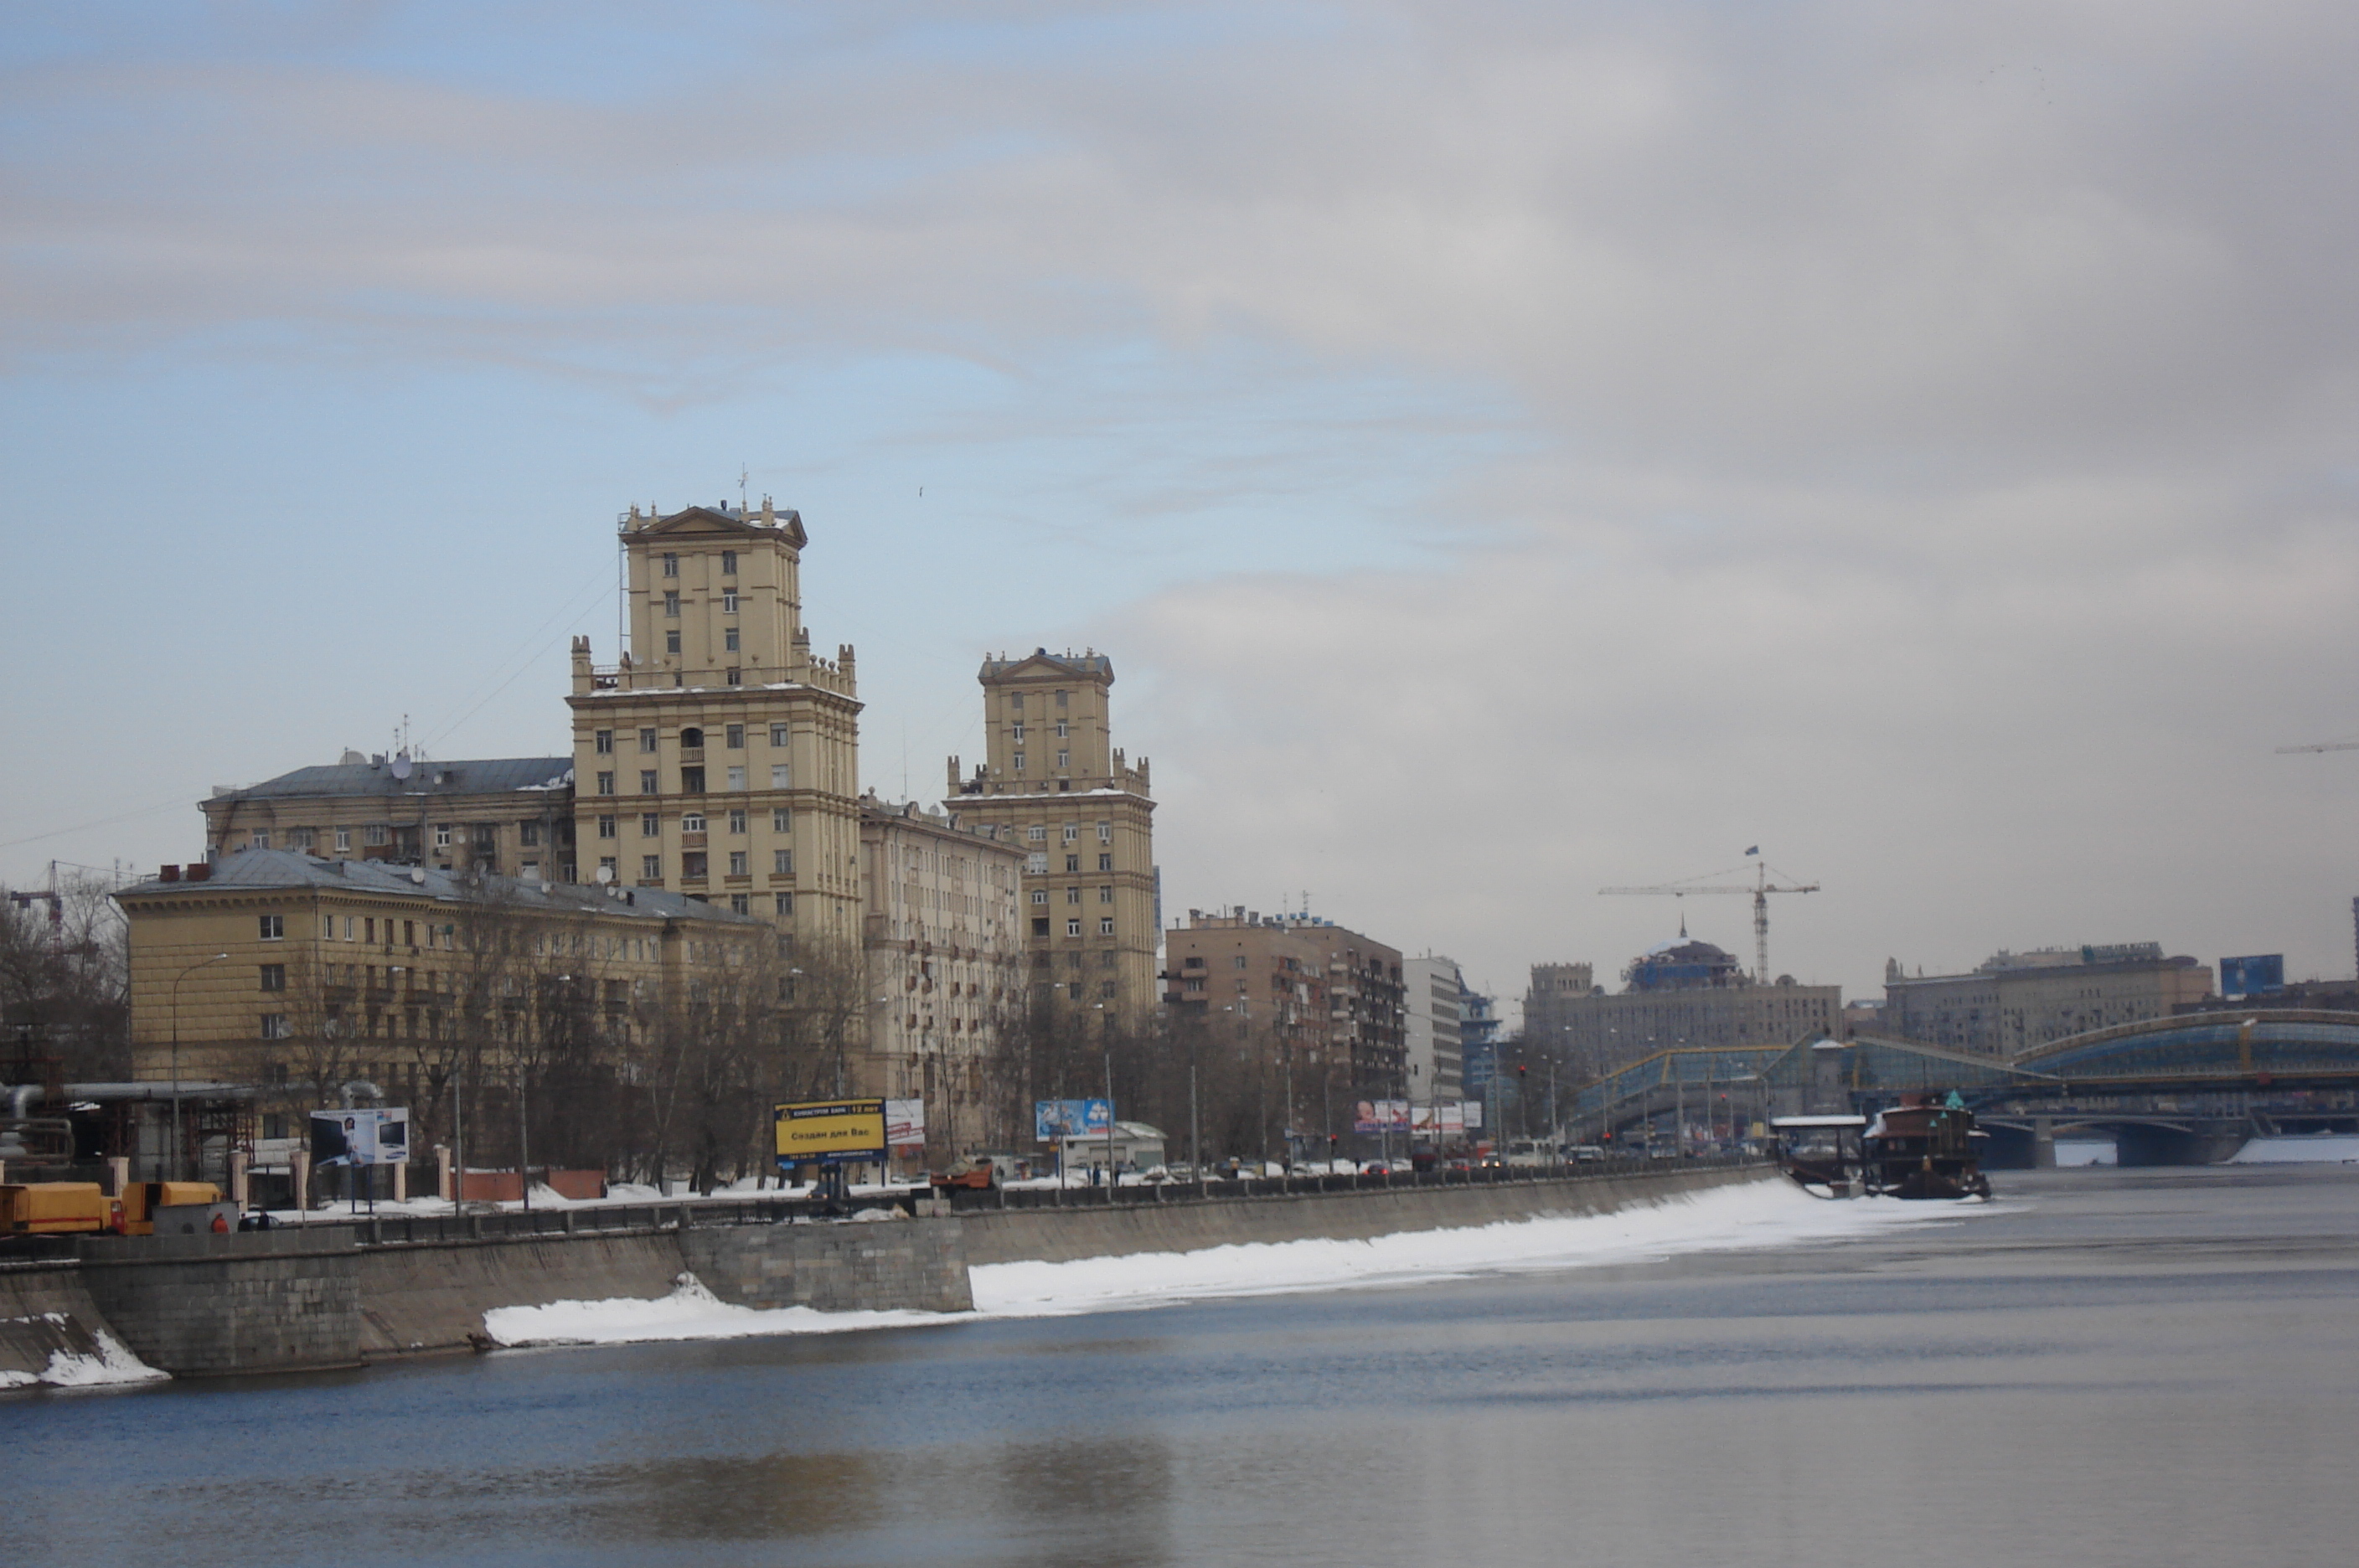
690	1311
2328	1149
112	1364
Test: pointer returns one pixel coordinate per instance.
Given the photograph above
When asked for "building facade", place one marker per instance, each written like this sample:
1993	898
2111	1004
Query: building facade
1432	1028
297	974
719	756
511	816
1681	992
945	969
1327	1003
2014	1001
1054	786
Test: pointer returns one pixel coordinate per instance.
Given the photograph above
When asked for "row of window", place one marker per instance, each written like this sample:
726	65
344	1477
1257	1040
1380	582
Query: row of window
1016	731
1015	701
691	779
782	820
693	738
728	564
696	865
1072	895
1073	927
1064	761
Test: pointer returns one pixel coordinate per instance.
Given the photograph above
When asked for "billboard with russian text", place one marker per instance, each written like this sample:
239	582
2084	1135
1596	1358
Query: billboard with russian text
830	1132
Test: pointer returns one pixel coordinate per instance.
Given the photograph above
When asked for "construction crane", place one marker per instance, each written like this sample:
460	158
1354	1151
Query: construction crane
1760	889
2321	745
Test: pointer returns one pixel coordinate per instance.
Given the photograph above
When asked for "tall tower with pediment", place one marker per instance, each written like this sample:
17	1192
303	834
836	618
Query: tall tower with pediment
718	757
1053	784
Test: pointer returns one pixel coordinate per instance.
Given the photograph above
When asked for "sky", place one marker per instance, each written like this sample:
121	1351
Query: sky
1508	449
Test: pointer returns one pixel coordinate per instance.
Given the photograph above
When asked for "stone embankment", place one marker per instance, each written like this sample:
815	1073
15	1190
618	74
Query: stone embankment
340	1295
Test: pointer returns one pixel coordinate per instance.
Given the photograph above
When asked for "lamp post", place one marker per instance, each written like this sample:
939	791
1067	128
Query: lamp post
1105	1044
179	1145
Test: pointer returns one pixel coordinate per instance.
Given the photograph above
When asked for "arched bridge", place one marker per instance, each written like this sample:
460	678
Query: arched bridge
2168	1091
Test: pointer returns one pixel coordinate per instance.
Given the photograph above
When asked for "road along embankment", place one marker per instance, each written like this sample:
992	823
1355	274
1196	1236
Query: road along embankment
1190	1225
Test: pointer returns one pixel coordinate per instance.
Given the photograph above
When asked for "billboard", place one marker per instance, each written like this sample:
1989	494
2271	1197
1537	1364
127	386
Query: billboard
831	1131
379	1136
905	1123
2252	976
1053	1119
1381	1115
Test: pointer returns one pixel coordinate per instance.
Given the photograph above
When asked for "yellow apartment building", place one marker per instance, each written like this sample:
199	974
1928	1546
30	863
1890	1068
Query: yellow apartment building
719	756
297	974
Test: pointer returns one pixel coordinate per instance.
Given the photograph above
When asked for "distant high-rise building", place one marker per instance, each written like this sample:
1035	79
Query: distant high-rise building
1054	785
1433	1028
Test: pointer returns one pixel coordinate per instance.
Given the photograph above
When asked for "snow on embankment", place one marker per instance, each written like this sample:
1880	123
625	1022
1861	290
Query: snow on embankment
78	1357
1765	1213
2327	1148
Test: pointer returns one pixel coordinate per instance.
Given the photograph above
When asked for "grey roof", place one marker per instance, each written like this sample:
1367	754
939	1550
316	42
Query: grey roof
476	777
249	869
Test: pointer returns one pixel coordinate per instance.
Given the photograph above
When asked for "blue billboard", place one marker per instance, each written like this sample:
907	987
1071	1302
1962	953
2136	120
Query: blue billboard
2256	976
1053	1119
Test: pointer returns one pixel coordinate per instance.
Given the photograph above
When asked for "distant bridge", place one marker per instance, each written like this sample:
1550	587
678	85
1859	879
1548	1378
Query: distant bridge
2181	1090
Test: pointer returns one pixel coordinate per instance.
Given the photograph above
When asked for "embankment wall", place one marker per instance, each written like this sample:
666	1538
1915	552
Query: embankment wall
318	1297
1059	1235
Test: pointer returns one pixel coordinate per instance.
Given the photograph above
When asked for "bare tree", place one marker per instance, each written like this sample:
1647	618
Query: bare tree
65	979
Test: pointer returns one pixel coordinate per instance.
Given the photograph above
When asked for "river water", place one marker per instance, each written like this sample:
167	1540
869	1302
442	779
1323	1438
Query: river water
2107	1367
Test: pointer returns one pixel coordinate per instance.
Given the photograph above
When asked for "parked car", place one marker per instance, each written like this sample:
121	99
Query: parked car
1587	1154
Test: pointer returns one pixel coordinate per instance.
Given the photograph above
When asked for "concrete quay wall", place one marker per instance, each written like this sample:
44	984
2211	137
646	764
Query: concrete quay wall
250	1301
432	1295
918	1265
1188	1225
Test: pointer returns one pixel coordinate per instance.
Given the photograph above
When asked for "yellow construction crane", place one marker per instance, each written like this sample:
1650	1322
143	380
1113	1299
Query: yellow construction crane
1760	889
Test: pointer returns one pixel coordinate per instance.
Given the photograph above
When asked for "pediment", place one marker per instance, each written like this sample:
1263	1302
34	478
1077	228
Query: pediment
710	522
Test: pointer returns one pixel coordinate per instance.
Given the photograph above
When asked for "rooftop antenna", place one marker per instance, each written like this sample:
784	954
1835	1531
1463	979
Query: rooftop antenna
742	476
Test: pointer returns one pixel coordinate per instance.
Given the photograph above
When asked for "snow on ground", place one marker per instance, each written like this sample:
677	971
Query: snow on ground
2319	1148
1771	1213
690	1311
68	1370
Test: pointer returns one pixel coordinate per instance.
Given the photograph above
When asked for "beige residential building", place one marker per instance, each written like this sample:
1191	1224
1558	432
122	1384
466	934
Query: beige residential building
719	756
512	815
296	973
945	964
1054	786
2014	1001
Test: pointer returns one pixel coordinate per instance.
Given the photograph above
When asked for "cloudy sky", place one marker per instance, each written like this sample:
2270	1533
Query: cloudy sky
1507	449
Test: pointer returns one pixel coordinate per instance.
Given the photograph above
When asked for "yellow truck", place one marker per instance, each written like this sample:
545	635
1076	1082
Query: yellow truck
54	1208
146	1208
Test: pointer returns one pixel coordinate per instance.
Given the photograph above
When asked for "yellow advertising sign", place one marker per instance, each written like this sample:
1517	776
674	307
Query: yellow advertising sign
830	1131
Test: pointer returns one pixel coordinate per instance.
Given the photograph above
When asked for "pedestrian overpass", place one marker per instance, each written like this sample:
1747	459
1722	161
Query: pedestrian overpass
2181	1090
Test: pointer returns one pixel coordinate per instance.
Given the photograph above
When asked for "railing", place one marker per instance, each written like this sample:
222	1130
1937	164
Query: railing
963	1200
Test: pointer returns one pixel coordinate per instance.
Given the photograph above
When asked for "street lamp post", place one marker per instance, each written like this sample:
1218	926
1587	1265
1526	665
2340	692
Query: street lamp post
179	1144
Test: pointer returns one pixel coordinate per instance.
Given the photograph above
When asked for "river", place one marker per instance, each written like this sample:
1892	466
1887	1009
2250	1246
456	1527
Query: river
2105	1366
